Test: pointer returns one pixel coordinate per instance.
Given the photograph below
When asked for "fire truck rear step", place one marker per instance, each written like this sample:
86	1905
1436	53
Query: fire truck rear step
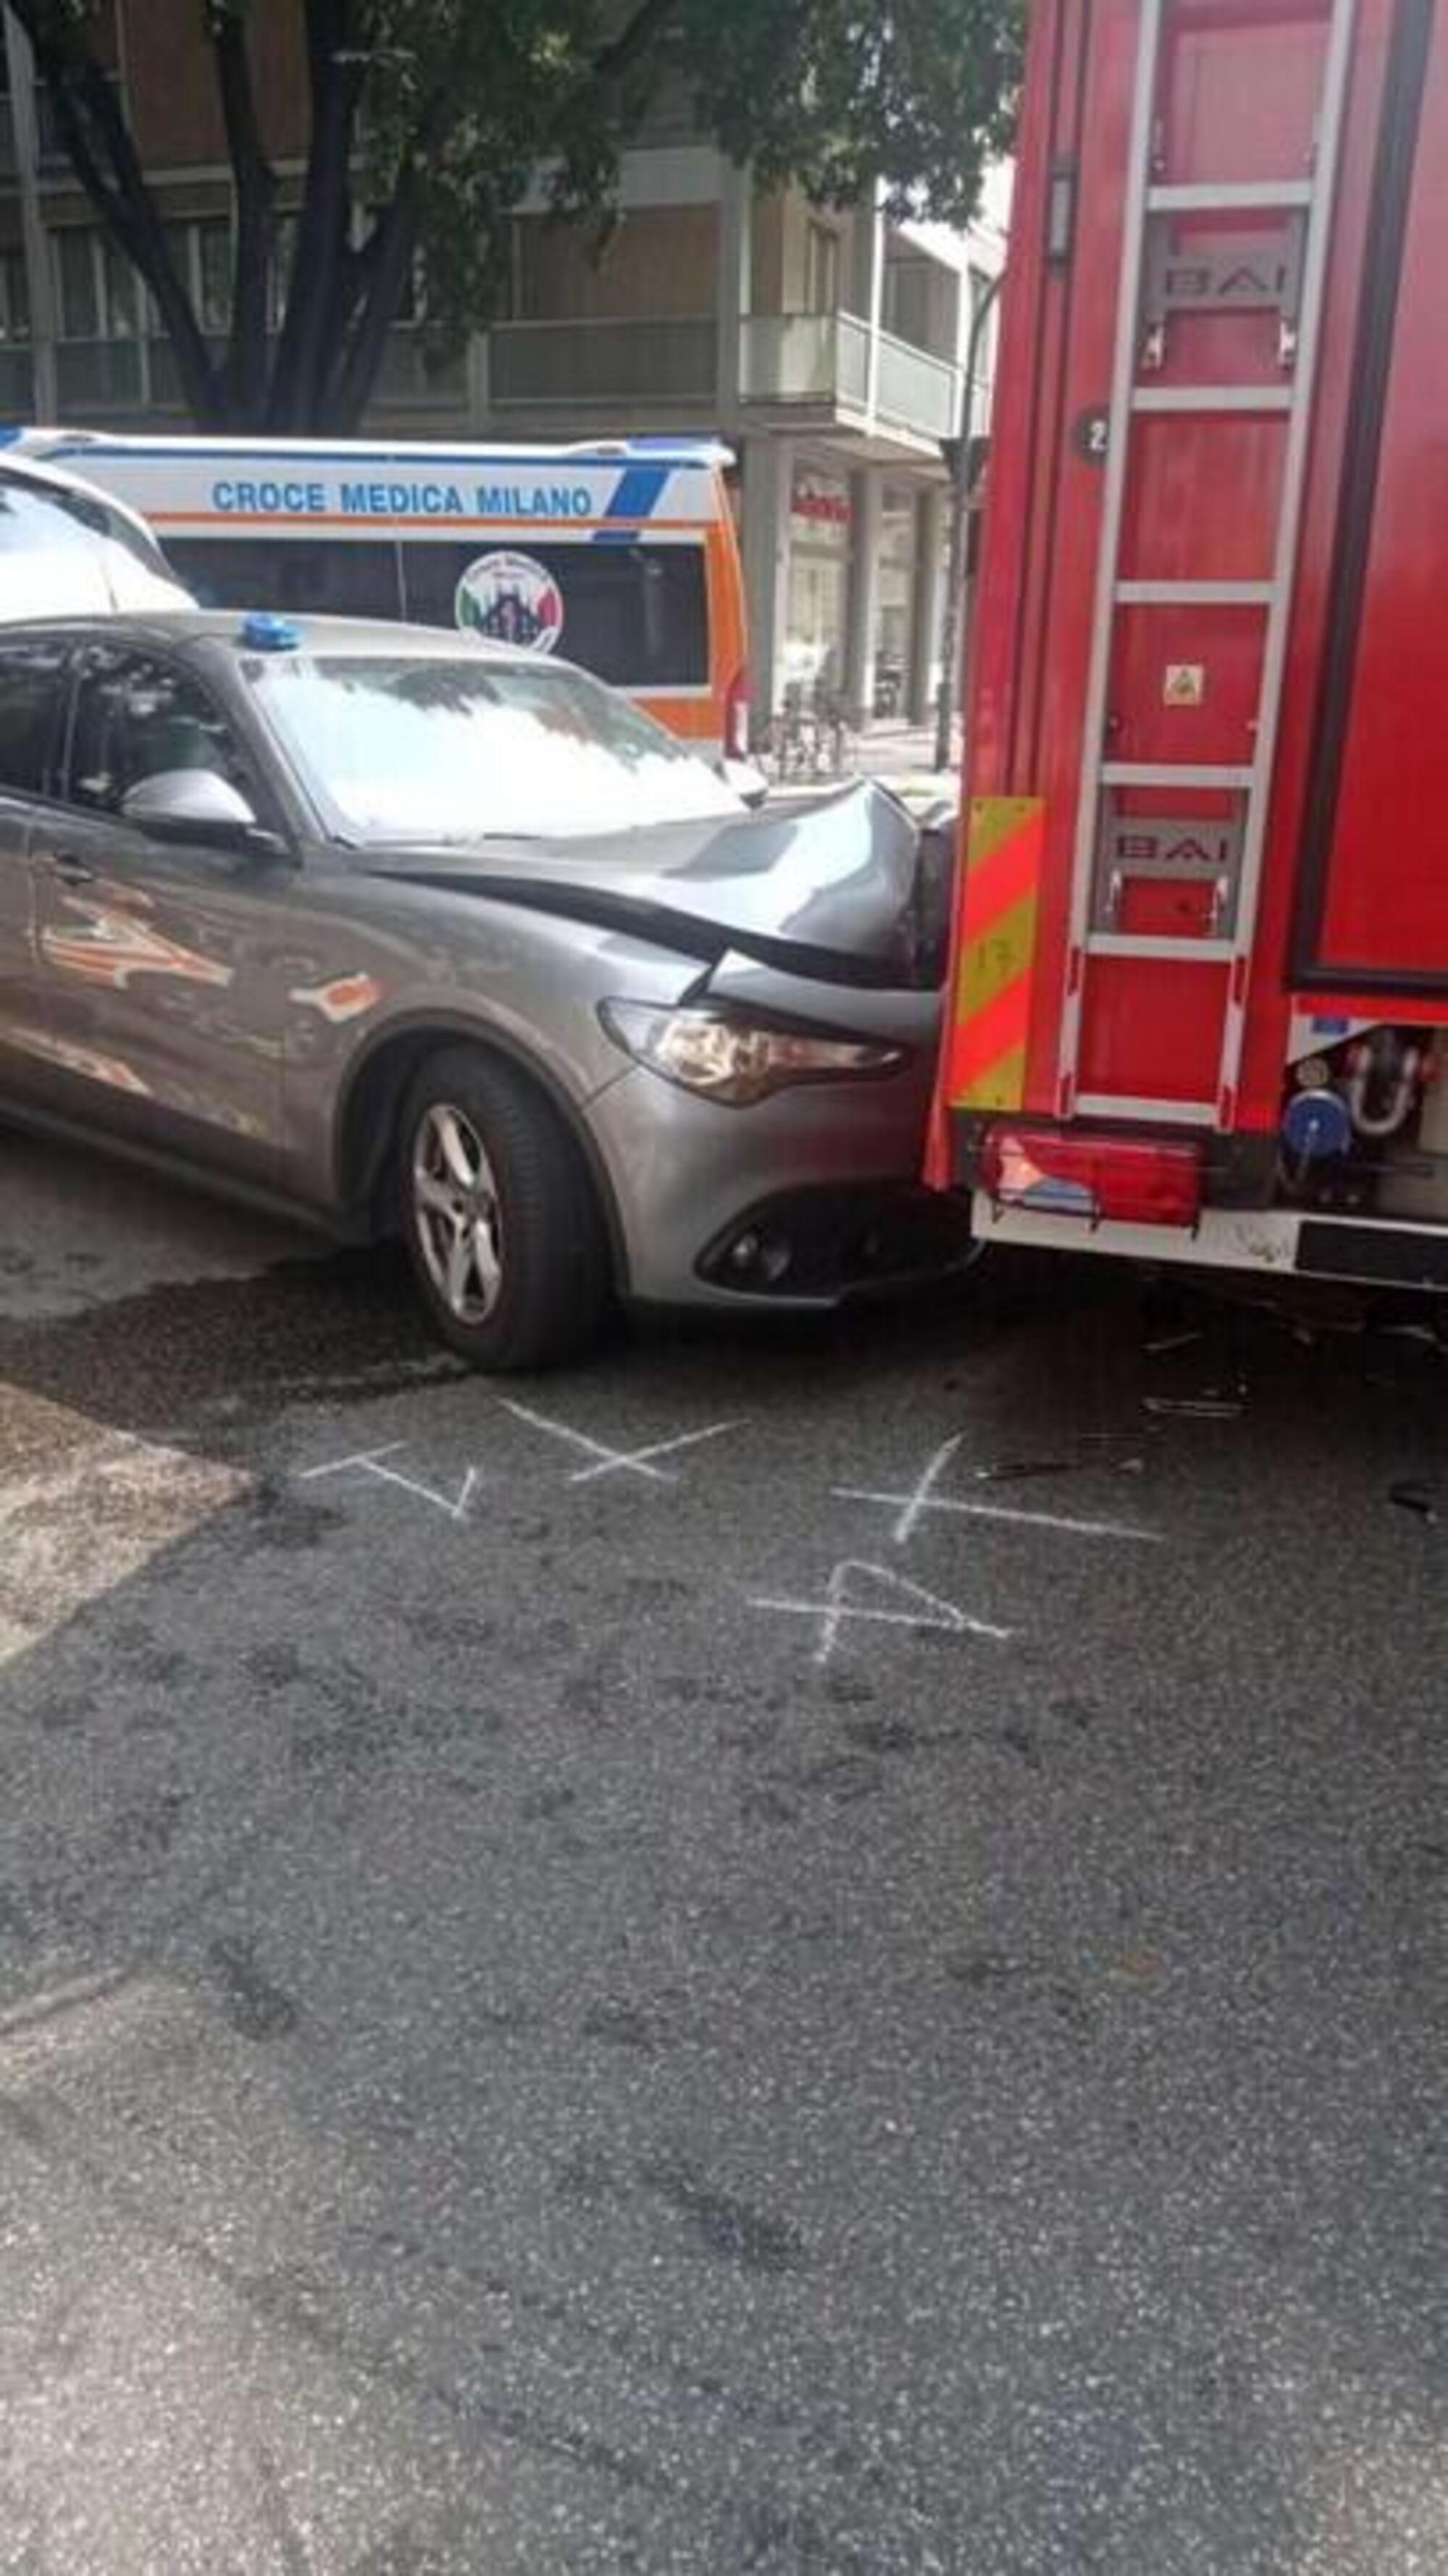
1210	398
1227	196
1195	594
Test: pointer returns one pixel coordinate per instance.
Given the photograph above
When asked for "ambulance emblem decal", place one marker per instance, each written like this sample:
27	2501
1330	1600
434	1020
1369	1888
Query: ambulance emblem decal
512	599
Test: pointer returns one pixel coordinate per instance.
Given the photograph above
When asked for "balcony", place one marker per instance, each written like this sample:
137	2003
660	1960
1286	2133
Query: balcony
534	364
820	362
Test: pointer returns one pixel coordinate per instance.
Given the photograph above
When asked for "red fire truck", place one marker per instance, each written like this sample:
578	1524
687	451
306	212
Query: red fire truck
1199	1000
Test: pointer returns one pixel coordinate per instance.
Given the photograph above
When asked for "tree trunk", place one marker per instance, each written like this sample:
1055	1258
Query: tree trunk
359	359
313	321
247	364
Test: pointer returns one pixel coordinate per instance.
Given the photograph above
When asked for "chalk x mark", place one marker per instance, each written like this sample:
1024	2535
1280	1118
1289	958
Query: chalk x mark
608	1461
913	1505
1061	1521
371	1462
928	1610
910	1508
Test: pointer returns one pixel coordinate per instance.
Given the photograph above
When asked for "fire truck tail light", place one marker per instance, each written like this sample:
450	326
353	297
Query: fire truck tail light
1131	1180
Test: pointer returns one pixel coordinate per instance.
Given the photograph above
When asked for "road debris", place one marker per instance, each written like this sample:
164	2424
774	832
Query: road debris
1195	1408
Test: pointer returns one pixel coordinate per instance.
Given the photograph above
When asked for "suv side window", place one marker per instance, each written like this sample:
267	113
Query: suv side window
137	718
33	680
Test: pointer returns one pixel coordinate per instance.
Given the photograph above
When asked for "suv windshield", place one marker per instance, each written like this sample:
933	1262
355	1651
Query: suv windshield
419	748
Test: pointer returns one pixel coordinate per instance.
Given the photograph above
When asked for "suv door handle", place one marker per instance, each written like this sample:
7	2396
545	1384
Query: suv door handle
71	869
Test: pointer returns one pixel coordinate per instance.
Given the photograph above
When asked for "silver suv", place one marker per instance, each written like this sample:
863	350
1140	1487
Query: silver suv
410	932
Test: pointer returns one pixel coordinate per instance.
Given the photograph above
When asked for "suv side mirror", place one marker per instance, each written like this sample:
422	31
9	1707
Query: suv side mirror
749	783
197	805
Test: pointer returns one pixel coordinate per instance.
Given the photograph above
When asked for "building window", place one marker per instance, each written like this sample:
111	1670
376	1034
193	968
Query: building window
821	269
98	312
14	298
7	116
283	260
98	294
818	587
122	294
78	284
201	253
213	274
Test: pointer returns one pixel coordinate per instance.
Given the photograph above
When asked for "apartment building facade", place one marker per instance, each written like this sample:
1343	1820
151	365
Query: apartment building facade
828	349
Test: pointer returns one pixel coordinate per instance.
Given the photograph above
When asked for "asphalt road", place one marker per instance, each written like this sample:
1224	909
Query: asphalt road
814	1951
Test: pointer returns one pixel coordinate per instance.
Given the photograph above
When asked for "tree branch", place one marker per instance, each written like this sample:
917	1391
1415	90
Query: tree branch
381	267
336	70
620	54
255	183
98	145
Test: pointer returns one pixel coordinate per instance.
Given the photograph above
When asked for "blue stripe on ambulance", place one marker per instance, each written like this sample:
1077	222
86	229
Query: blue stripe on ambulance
636	495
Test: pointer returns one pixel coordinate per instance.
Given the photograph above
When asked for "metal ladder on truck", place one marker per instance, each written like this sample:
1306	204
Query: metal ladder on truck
1107	860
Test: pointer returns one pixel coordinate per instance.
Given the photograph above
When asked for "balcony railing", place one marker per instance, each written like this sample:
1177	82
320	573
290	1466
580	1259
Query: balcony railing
101	375
823	360
618	361
131	375
917	391
163	376
410	374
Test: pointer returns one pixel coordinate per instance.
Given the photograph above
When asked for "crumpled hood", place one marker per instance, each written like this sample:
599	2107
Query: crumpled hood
829	886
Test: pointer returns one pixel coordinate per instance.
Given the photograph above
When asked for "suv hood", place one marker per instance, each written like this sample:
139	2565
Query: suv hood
830	887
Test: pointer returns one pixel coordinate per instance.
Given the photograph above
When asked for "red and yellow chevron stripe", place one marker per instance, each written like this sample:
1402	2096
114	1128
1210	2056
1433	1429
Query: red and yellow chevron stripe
987	1057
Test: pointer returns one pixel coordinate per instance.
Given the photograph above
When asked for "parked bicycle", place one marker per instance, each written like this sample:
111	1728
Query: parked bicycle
809	738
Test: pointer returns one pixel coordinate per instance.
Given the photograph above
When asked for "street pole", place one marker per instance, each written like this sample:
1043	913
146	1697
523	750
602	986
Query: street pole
35	241
951	640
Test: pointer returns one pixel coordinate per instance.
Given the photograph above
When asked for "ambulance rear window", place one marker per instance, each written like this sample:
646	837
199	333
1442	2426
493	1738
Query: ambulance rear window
304	576
634	615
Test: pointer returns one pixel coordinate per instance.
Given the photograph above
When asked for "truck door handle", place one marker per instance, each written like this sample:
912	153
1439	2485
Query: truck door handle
71	869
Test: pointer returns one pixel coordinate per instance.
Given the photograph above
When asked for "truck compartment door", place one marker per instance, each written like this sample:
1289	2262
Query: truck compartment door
1373	882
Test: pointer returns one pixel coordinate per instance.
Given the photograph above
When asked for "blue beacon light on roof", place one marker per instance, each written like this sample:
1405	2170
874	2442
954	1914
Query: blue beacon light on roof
268	634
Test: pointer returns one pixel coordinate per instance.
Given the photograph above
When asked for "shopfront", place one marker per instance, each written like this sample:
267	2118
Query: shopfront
844	566
899	526
817	596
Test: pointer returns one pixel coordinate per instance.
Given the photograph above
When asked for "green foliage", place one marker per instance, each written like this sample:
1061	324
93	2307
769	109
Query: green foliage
917	95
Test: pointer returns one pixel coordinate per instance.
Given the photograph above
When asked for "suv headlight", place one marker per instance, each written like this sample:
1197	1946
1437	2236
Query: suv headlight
738	1057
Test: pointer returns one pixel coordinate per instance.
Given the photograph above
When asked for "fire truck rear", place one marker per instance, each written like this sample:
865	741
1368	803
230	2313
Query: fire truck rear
1199	999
